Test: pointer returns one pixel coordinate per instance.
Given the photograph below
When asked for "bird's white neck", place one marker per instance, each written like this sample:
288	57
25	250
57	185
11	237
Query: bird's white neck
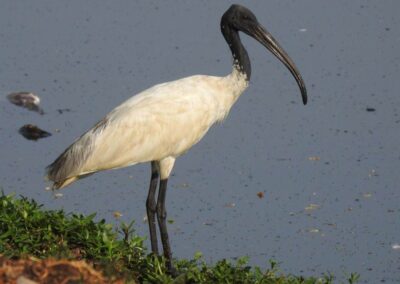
228	90
238	82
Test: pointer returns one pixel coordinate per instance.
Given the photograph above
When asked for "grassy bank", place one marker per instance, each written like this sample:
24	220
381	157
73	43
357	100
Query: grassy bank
27	231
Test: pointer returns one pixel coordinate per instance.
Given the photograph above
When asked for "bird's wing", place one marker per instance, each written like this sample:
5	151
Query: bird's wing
165	120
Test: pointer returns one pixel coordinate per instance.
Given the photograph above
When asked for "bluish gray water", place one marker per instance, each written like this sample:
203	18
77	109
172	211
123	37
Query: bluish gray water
90	56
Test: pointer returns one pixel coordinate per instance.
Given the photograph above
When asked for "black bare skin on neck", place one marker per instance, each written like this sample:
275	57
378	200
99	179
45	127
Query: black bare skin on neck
231	35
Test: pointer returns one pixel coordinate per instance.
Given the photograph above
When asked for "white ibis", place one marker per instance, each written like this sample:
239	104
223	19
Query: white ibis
163	122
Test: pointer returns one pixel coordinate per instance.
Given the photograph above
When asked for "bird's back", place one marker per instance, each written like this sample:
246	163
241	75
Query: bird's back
165	120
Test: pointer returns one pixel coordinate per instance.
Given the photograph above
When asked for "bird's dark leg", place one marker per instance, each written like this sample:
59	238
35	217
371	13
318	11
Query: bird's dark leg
162	222
151	207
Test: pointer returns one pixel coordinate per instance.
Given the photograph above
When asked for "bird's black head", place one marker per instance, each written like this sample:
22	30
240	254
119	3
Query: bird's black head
239	18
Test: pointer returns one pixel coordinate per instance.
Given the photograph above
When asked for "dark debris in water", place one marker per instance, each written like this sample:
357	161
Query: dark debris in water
26	100
371	109
62	110
32	132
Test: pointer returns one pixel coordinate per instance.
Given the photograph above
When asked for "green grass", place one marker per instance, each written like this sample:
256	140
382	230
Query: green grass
26	229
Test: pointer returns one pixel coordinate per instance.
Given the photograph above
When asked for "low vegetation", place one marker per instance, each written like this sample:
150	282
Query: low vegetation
29	232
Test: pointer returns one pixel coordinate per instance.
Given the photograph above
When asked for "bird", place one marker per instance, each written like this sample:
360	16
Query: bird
163	122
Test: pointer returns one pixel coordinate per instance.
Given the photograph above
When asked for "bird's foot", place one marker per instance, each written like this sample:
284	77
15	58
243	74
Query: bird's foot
171	270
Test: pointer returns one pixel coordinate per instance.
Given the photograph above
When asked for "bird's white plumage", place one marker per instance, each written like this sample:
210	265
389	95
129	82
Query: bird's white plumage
160	123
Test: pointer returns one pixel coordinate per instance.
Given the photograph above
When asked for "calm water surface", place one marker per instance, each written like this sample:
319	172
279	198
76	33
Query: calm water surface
329	171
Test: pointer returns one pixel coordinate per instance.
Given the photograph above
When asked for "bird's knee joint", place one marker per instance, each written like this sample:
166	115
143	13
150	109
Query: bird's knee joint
161	213
151	205
154	175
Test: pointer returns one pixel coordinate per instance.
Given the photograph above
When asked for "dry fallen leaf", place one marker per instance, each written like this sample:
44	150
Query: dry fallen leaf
314	158
367	195
183	185
230	205
396	246
58	195
312	207
372	173
260	194
117	214
28	271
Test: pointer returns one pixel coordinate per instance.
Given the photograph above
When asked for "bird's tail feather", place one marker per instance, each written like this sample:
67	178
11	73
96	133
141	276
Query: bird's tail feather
67	168
63	183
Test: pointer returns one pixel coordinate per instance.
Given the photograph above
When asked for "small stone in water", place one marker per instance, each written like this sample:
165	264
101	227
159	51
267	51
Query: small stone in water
27	100
32	132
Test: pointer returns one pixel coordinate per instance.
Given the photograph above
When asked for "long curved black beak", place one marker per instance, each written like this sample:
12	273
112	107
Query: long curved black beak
266	39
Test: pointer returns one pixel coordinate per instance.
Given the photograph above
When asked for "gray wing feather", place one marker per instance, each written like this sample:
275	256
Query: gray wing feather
68	164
